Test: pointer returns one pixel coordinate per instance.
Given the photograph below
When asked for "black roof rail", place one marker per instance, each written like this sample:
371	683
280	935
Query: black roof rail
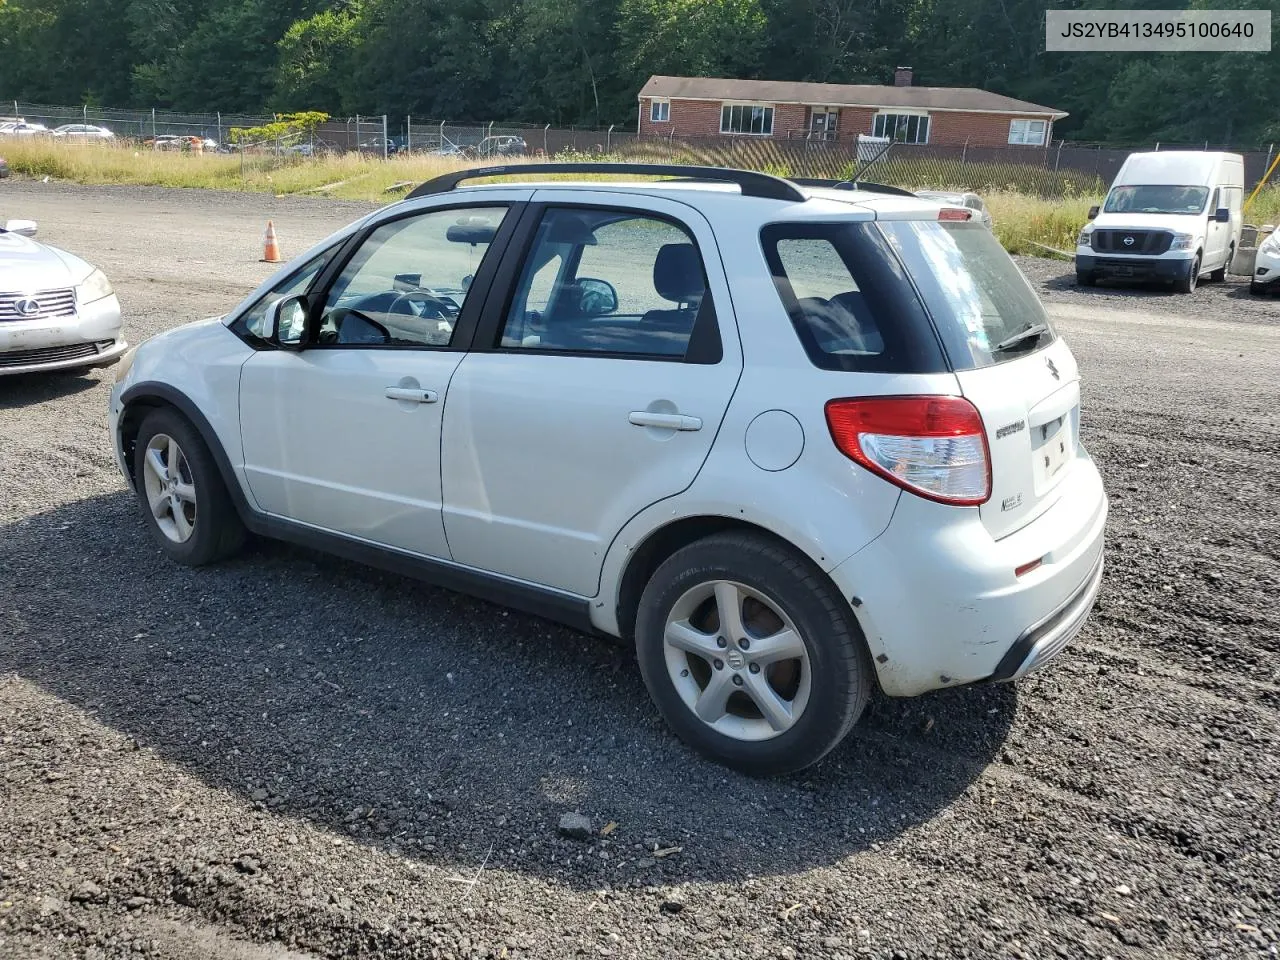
853	185
751	182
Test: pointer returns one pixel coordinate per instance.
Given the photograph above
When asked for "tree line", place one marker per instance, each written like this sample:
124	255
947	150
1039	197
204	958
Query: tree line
581	62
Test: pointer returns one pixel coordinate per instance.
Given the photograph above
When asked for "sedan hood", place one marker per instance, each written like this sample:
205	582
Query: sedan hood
29	267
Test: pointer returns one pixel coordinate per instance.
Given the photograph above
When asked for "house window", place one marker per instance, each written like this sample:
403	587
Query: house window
659	111
1028	132
746	118
902	127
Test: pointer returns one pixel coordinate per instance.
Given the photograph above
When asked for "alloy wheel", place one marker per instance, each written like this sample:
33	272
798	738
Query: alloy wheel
737	661
171	492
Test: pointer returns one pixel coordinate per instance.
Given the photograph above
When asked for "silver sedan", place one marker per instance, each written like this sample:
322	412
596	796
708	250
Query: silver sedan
57	312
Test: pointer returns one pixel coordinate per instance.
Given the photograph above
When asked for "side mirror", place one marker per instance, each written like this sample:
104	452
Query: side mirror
287	318
1093	211
23	228
599	298
1222	215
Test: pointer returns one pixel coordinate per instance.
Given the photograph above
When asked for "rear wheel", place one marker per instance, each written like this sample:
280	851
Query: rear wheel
1085	278
1187	282
750	654
181	493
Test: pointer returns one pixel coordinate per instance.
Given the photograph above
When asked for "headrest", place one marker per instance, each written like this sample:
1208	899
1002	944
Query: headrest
677	273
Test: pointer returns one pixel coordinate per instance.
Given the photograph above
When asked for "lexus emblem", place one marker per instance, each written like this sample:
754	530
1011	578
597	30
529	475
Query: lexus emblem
1052	369
1128	241
27	307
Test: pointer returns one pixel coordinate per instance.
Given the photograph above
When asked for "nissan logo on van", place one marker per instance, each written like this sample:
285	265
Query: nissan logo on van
1128	241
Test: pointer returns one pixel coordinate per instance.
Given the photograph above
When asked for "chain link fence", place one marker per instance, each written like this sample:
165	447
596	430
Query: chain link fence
1059	170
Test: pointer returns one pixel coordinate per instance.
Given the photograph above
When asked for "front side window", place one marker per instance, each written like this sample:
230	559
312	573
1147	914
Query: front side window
754	118
1028	132
609	282
254	320
408	281
659	111
902	127
1156	199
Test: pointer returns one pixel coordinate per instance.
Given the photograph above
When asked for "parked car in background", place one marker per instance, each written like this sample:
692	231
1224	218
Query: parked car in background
794	444
56	311
961	199
1266	266
82	131
23	129
500	146
1171	216
168	141
379	146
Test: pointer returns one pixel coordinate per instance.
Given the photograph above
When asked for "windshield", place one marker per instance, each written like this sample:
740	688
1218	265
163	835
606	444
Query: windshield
1156	199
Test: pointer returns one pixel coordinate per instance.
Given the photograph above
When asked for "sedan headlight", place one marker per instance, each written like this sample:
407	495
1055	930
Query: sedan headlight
1084	239
96	286
1182	241
1271	245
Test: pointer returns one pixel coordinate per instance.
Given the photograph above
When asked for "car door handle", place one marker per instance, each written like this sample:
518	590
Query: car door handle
412	394
664	421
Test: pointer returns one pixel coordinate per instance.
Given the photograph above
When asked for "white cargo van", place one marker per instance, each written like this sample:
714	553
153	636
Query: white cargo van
1173	215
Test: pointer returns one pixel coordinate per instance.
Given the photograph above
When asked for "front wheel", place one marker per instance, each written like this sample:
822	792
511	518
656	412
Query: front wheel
1085	279
185	504
750	654
1187	282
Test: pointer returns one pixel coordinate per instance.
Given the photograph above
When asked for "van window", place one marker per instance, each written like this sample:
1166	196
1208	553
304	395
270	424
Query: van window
1157	199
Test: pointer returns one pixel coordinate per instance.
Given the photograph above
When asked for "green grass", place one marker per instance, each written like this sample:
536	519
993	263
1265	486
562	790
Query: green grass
1014	193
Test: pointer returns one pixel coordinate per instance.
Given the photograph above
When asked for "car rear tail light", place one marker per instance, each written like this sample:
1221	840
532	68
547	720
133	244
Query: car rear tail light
955	213
935	447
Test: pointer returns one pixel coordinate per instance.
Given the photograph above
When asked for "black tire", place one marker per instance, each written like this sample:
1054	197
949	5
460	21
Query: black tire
1220	275
217	530
1187	282
1085	279
840	671
1257	289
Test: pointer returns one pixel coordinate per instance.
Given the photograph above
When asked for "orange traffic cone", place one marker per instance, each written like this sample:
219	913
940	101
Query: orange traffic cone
271	251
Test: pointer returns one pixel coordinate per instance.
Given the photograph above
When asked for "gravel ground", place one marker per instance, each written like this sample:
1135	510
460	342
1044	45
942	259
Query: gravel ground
289	756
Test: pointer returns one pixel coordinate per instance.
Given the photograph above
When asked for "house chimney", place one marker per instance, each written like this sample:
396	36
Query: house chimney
902	77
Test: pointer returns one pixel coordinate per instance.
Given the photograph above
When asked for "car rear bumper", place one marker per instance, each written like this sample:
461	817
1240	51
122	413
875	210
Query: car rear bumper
91	338
1133	268
939	601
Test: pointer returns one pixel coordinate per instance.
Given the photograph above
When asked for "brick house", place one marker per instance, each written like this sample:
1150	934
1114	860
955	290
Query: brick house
709	107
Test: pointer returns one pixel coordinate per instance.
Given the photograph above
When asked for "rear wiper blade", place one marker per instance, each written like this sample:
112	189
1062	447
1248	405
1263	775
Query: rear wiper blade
1033	332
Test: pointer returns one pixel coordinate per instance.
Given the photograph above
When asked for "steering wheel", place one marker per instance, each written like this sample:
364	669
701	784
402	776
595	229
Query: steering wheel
411	297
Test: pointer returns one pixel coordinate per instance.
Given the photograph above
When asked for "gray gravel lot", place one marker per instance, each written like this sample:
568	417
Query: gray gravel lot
289	756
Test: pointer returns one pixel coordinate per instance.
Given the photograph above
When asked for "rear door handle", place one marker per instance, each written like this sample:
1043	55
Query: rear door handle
664	421
412	394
